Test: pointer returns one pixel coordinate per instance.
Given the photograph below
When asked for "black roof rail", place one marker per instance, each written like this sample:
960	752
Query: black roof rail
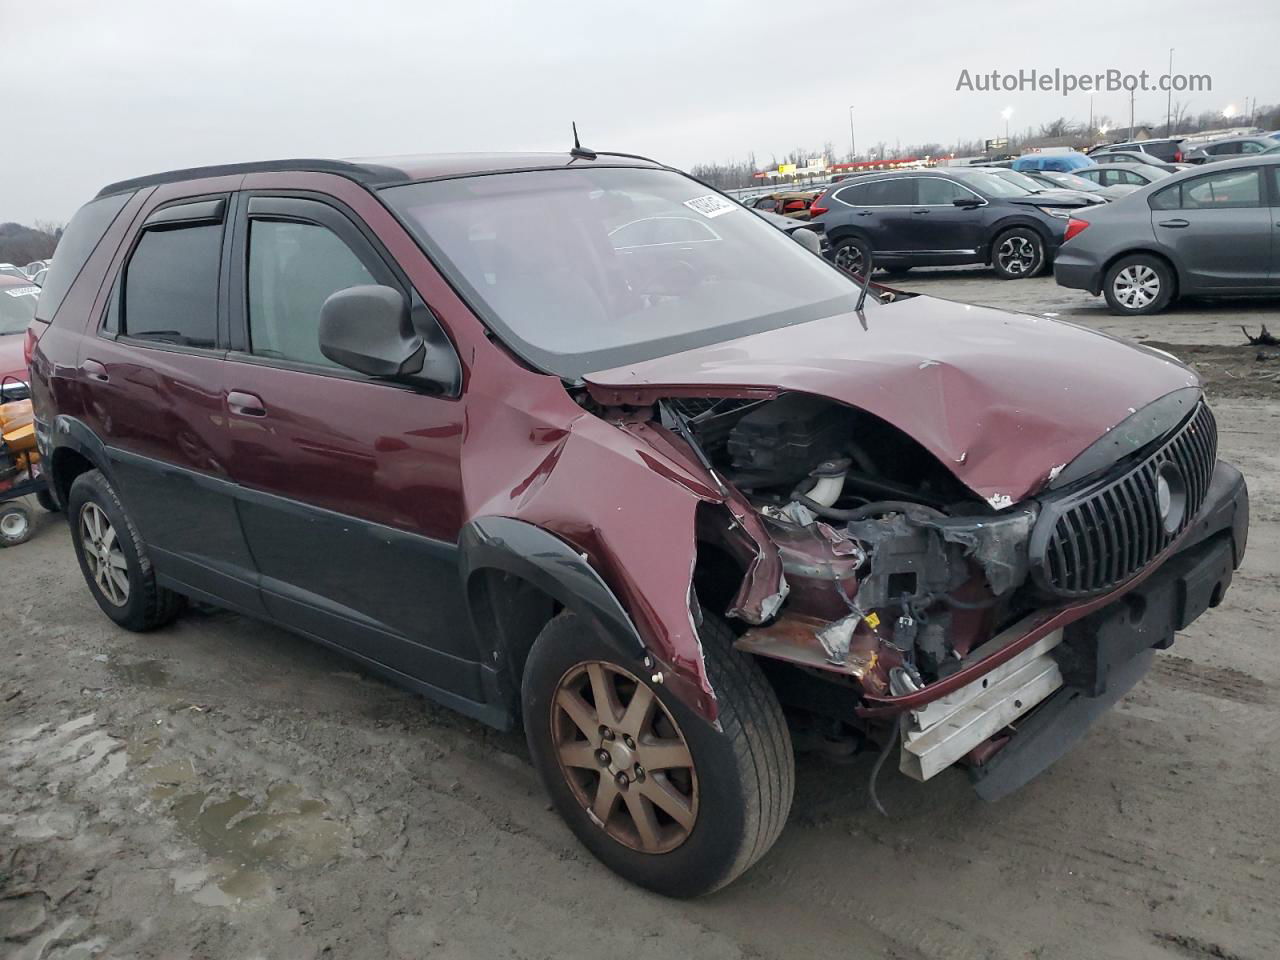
369	174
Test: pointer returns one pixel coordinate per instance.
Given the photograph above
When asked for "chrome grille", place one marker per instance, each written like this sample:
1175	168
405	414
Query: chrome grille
1107	533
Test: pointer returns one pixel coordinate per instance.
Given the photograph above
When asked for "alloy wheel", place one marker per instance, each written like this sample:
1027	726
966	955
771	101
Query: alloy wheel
624	757
103	555
1136	286
849	257
1017	256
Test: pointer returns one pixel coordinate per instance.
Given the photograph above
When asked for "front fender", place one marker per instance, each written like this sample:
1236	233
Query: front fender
543	560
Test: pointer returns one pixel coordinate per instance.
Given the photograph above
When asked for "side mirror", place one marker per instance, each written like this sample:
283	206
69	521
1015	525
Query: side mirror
965	201
368	329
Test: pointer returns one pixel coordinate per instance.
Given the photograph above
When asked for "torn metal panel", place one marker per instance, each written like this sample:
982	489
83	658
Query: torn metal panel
855	650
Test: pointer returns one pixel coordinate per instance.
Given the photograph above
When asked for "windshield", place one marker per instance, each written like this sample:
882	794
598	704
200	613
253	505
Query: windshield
1071	181
17	307
582	269
994	185
1018	180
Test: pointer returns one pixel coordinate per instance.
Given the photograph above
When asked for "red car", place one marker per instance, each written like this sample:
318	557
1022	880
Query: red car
17	307
574	442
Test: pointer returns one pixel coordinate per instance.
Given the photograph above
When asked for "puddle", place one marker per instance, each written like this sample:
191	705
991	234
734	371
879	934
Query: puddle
242	840
142	673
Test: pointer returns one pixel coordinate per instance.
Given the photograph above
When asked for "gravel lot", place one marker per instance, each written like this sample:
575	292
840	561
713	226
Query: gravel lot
223	789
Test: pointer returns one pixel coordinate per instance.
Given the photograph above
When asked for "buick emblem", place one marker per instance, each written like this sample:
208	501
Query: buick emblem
1171	496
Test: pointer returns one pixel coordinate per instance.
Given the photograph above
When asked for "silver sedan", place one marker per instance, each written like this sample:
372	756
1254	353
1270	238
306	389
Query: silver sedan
1202	232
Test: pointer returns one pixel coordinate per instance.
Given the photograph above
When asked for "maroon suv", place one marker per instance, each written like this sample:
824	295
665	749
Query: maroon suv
579	442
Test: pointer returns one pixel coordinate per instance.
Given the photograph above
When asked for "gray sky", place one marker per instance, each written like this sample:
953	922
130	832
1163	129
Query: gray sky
102	90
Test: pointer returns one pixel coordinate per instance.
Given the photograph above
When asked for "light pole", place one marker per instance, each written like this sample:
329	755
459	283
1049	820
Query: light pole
1007	112
1168	109
853	146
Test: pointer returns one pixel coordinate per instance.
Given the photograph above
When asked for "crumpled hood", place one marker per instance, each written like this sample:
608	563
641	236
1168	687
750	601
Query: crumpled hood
1002	399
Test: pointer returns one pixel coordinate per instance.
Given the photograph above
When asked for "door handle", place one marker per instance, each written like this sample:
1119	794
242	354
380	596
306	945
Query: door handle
95	371
864	213
246	404
919	211
1179	222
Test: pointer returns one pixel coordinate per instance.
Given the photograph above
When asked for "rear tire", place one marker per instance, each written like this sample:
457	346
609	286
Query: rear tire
1138	284
15	524
114	559
738	782
852	255
1017	253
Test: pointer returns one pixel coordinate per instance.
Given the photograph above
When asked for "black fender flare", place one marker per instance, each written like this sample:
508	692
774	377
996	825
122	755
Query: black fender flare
526	551
69	433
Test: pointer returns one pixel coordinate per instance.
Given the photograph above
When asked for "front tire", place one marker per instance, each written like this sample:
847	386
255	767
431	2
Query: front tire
1018	253
1137	285
648	786
114	559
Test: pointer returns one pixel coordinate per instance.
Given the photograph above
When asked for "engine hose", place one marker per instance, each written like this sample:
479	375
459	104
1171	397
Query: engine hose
889	744
866	510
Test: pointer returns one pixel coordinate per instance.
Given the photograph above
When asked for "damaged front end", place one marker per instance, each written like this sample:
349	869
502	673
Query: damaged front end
891	604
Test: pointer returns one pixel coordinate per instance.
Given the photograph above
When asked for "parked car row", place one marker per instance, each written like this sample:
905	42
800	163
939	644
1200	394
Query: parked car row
34	271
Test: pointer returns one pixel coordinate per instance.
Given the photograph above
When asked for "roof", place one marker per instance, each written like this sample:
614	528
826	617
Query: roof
375	172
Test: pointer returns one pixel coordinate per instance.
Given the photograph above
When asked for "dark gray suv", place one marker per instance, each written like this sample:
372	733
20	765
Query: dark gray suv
935	217
1199	232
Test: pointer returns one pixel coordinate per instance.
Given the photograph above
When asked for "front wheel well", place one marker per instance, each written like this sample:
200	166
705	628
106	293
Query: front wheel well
509	613
1005	226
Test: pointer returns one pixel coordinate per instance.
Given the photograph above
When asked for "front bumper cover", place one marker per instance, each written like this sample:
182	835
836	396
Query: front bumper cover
1104	654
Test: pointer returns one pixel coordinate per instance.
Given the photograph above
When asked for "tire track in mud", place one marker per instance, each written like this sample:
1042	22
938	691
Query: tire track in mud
1225	683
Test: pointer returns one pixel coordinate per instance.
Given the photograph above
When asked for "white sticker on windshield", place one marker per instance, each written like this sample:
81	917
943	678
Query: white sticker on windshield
710	205
22	291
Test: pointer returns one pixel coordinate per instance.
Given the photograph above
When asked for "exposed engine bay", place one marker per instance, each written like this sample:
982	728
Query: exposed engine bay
893	566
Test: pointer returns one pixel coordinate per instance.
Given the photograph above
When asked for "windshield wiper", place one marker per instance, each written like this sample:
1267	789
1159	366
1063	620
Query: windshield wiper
866	284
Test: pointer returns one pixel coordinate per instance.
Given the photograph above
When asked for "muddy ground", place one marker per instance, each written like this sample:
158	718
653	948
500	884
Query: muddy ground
223	789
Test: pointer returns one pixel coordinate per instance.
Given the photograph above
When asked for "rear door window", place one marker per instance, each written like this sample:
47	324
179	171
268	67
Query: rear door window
899	192
1236	188
170	292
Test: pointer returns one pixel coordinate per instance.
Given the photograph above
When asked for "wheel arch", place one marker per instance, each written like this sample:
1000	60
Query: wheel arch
1009	223
516	577
74	449
1145	251
847	232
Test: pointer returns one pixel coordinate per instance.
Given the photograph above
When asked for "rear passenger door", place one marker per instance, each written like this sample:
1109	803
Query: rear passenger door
349	488
1218	229
151	373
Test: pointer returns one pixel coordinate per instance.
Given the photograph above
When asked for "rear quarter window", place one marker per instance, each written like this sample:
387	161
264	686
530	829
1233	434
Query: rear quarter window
79	240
